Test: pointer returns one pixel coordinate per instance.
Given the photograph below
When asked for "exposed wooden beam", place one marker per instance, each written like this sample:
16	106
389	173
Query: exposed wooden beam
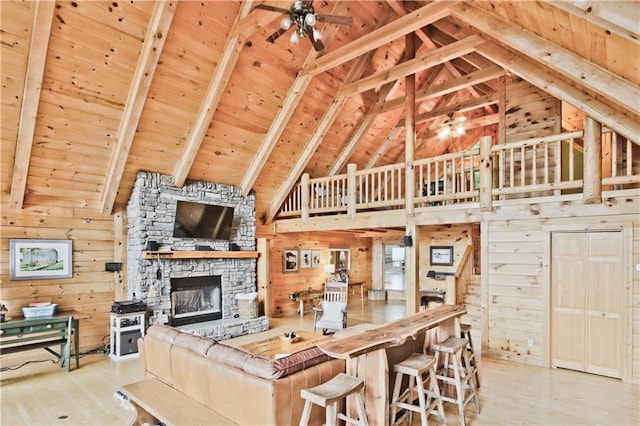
393	133
399	8
255	20
310	148
364	123
439	56
567	63
316	139
469	105
154	40
215	91
42	18
388	33
382	148
279	123
618	17
450	86
528	70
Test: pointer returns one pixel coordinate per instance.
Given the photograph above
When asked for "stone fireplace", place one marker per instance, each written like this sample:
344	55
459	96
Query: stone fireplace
196	294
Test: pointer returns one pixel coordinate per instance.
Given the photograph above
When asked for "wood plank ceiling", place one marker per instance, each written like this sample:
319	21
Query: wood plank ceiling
93	92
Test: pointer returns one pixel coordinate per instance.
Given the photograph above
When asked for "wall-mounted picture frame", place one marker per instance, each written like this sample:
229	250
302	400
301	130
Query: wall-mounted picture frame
305	259
36	259
316	256
290	260
441	255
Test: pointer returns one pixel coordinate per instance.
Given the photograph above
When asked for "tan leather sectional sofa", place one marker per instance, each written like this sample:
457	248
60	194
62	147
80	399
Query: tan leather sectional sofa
245	388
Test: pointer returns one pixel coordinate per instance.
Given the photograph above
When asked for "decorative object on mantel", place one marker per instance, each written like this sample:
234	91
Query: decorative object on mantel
302	17
452	127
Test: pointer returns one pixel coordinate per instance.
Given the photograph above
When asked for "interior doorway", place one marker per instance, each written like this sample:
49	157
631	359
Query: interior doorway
587	293
394	265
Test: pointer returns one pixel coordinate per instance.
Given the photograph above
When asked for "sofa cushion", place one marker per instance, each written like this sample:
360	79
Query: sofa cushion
194	343
164	332
299	361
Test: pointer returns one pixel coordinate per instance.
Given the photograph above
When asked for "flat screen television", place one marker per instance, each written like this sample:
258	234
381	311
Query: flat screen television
202	221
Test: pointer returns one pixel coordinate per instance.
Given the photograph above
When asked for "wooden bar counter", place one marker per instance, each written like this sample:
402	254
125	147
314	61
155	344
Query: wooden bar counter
369	354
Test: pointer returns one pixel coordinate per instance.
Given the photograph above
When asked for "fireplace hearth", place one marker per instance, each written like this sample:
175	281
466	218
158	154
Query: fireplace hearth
196	299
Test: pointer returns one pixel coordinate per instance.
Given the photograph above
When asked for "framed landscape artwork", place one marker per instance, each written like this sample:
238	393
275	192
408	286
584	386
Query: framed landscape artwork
441	255
40	259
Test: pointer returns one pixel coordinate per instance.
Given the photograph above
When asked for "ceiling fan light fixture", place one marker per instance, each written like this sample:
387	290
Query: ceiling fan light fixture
452	128
317	35
285	23
310	19
294	38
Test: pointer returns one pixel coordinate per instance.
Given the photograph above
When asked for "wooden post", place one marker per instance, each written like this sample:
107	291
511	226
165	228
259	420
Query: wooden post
119	242
411	269
592	191
486	174
351	191
304	197
410	127
262	269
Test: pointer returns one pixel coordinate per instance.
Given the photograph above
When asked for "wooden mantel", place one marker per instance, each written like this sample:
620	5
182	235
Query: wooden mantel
209	254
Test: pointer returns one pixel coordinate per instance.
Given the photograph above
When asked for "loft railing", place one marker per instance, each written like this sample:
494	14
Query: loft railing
545	166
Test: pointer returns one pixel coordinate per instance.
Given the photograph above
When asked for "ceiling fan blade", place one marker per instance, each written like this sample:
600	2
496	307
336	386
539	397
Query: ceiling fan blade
335	19
272	8
317	44
307	3
273	37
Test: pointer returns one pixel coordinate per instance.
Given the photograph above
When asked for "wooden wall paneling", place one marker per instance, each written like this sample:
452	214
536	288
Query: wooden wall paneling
285	283
511	282
90	290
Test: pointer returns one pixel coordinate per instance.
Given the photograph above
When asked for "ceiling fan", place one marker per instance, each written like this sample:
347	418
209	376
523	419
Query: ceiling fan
302	18
452	127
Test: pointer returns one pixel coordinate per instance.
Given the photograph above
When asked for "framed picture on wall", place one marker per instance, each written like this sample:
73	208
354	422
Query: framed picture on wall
441	255
290	260
305	258
315	258
40	259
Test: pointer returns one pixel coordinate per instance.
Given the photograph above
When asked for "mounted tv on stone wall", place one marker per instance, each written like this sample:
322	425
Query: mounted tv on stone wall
203	221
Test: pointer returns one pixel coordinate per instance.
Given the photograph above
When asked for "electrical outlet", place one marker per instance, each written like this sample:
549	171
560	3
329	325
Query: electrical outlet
530	342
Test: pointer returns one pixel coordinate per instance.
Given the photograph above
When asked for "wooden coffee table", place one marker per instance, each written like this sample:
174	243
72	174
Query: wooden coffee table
279	346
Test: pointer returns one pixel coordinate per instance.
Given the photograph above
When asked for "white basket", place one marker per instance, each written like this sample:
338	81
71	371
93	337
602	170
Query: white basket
39	311
248	308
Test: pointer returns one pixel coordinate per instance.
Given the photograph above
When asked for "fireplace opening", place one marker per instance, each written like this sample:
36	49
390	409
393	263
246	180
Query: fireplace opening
196	299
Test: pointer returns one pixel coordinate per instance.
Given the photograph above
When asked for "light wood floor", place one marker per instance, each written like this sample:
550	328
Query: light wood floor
511	393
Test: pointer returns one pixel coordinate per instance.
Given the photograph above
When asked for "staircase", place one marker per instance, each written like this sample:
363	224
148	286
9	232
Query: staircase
473	316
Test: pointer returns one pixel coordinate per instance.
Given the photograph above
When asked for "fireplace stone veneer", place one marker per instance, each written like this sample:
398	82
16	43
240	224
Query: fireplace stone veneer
150	216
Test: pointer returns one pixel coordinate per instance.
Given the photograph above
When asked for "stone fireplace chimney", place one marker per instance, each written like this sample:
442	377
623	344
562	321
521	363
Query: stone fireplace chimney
151	212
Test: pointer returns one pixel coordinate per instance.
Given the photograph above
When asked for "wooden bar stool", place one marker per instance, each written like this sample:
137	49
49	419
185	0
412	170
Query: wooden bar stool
415	367
454	350
329	394
465	333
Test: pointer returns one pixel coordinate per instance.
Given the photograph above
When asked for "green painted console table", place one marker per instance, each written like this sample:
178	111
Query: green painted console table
21	334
